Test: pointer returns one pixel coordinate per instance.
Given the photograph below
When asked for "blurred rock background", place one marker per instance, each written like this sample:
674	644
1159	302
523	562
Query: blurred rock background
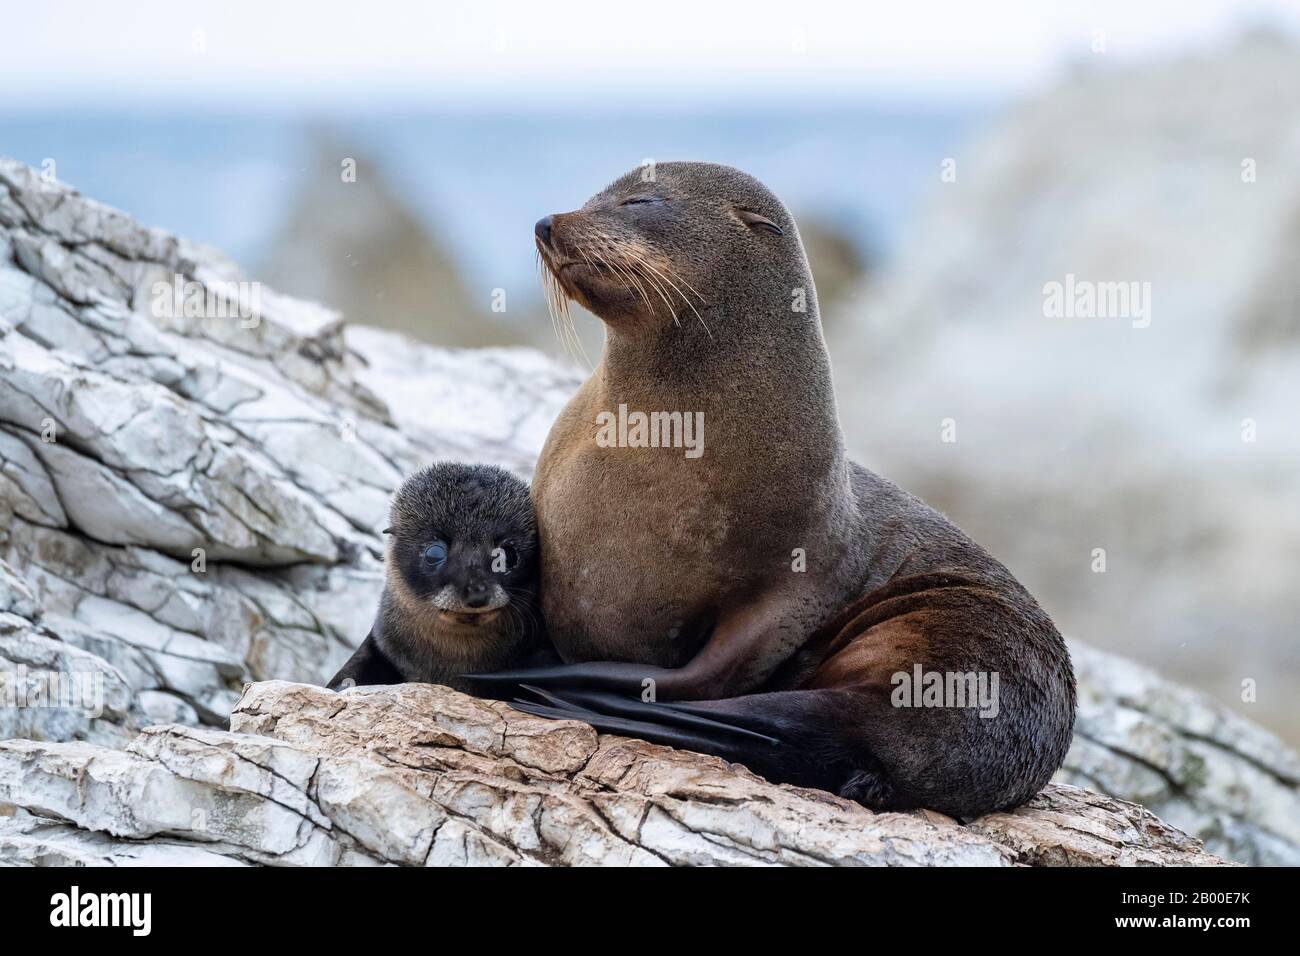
1174	447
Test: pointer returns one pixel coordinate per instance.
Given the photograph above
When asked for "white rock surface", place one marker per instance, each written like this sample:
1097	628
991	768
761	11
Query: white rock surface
422	775
1195	763
273	449
196	501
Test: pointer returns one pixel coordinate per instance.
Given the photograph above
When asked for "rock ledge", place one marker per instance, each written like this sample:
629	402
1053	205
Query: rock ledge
423	775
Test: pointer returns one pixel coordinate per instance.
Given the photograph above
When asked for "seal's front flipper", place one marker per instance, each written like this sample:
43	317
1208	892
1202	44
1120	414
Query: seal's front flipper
721	728
367	666
584	704
759	755
617	678
812	738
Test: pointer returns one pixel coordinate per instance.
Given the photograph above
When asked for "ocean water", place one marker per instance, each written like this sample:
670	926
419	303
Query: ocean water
479	181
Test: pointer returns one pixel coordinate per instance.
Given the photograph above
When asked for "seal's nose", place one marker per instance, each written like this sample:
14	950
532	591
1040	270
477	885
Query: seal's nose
476	595
543	230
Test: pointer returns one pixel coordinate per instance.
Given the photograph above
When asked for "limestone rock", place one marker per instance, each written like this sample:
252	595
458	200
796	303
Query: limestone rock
423	775
1194	762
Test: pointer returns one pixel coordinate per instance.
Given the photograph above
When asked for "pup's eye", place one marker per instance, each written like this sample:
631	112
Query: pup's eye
640	200
435	554
505	557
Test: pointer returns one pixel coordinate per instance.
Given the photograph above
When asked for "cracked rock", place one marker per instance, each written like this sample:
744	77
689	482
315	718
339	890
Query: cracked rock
420	775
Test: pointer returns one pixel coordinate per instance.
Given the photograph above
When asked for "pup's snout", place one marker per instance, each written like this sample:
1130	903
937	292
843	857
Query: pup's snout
477	595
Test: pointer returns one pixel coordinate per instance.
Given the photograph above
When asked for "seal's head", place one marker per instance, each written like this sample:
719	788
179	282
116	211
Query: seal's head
671	241
462	544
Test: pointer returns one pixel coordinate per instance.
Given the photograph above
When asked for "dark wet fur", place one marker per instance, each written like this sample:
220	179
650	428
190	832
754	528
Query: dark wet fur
475	508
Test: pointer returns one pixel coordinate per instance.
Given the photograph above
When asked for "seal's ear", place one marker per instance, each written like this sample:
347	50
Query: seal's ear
757	221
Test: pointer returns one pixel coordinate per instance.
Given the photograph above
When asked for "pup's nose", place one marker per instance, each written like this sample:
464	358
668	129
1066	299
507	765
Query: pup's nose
543	230
476	595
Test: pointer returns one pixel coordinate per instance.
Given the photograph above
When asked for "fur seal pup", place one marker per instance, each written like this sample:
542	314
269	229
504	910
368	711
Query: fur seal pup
461	589
768	600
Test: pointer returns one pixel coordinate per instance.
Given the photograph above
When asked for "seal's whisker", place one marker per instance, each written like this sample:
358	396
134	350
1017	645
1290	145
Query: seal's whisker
680	278
707	330
656	278
670	282
663	294
633	279
570	327
524	609
684	298
608	263
516	623
621	258
557	301
635	263
582	351
547	279
555	305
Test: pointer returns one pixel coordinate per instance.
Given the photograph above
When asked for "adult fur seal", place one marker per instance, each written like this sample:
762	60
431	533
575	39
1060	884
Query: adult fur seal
461	591
767	600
